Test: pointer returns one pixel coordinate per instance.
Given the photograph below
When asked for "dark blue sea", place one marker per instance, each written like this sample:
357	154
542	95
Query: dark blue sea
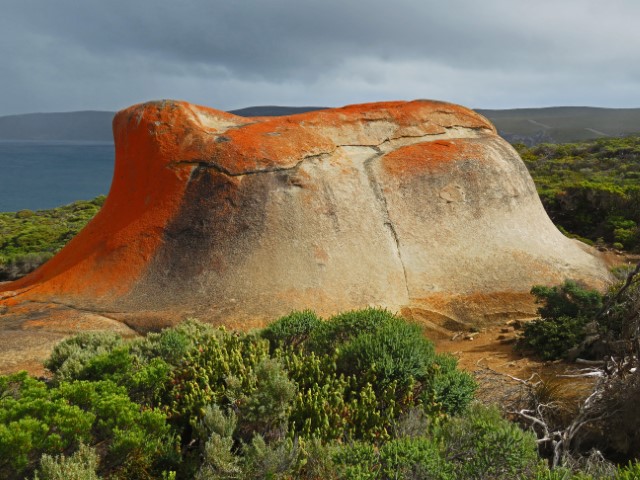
38	175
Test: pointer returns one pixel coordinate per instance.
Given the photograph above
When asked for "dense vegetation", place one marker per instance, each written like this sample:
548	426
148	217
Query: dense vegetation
605	330
565	313
575	321
28	238
361	396
591	189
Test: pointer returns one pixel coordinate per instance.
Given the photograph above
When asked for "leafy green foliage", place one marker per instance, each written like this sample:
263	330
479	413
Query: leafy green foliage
631	471
82	465
34	421
451	388
476	445
28	238
71	356
571	299
359	371
481	444
566	309
393	350
590	189
37	420
344	328
375	347
414	458
219	368
266	410
276	391
195	401
218	460
553	339
292	329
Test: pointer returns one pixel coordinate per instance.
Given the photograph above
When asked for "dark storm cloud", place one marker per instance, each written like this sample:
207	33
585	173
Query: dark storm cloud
69	54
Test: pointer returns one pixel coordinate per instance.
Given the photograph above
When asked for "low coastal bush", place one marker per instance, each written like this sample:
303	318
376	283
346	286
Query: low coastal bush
82	465
575	320
37	420
198	400
30	238
590	188
195	401
564	314
292	330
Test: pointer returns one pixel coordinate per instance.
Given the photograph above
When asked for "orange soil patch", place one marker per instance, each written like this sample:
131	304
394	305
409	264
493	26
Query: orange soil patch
475	351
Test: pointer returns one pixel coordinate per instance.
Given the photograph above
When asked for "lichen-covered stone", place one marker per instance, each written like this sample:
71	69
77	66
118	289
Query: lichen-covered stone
419	207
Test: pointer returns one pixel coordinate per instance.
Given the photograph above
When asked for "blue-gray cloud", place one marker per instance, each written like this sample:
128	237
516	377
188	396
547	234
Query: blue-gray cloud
68	55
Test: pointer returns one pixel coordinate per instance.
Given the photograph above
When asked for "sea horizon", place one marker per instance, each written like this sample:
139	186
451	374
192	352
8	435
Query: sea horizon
43	174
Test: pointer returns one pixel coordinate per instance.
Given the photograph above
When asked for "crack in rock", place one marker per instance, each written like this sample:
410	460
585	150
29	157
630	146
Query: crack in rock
316	156
384	208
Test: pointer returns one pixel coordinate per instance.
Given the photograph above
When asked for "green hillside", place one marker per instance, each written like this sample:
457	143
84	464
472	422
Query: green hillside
590	189
28	238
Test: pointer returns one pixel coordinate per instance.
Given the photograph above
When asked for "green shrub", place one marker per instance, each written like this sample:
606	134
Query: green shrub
218	459
196	401
266	410
344	327
292	330
566	309
28	239
388	351
35	421
450	388
278	460
571	299
414	458
554	338
172	344
316	461
220	369
394	351
482	445
137	439
82	465
357	461
321	407
69	357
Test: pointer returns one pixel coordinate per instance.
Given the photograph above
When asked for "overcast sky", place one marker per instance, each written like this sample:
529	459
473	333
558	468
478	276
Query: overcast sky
64	55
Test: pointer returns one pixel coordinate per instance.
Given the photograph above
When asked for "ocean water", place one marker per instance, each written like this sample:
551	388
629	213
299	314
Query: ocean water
38	175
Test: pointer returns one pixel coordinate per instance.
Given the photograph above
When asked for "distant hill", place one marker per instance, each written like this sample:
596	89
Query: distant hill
563	124
77	126
530	126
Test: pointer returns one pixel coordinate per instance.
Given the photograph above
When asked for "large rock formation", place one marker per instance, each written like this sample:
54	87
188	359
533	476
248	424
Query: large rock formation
418	207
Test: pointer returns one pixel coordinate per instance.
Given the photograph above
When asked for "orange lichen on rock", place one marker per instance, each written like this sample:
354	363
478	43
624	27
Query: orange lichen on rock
265	143
259	146
111	253
240	220
429	157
